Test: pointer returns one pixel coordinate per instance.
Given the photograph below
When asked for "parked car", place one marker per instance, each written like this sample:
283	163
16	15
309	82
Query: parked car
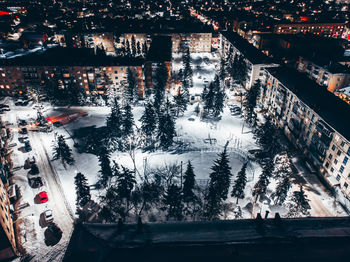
27	146
43	197
55	230
36	182
48	217
4	106
23	131
22	122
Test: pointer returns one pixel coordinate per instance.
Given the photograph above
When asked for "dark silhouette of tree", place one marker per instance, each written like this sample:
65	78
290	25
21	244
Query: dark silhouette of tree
105	173
130	90
299	204
251	101
282	191
166	130
127	121
188	184
172	200
114	120
82	189
218	186
240	183
149	121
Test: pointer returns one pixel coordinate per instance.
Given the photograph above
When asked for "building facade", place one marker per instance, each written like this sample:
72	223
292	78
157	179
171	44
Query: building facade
334	30
334	76
7	235
196	42
312	119
16	79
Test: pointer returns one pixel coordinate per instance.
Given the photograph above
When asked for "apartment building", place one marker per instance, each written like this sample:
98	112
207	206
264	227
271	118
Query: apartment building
196	42
94	40
89	73
7	235
334	30
329	74
255	59
314	120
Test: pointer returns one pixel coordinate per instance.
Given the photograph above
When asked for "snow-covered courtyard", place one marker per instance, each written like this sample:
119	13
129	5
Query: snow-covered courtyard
201	142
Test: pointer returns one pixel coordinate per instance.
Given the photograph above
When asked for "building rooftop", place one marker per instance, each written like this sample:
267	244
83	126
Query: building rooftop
69	57
304	238
160	49
333	110
254	55
327	64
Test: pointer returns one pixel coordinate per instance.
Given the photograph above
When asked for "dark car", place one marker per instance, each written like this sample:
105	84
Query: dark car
36	182
23	131
4	106
55	230
22	122
27	146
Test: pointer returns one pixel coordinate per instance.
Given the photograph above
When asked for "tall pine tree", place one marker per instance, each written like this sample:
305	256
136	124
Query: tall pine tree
127	121
188	184
173	202
240	183
299	204
149	121
114	120
282	191
63	152
166	130
218	186
82	189
105	173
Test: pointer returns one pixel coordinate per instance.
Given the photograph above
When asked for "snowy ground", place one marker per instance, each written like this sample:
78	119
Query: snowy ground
191	131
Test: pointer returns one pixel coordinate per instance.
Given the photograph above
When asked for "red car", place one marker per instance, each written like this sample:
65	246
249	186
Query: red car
43	197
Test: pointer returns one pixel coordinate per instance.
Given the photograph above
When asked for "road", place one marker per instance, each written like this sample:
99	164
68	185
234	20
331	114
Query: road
62	213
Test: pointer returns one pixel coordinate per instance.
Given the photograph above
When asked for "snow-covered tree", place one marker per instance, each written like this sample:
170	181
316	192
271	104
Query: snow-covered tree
240	183
166	130
127	121
114	120
282	189
82	189
105	173
187	70
251	101
218	186
188	184
172	201
264	179
62	151
125	184
181	104
299	204
149	121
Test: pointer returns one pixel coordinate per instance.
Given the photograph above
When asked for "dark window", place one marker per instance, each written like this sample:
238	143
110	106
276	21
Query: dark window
335	161
327	164
341	169
338	177
339	153
345	161
333	147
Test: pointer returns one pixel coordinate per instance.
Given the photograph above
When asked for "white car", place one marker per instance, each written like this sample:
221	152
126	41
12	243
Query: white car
48	216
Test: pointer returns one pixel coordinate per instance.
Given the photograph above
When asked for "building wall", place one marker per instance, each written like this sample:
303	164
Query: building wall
98	79
334	30
324	146
196	42
7	235
333	81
